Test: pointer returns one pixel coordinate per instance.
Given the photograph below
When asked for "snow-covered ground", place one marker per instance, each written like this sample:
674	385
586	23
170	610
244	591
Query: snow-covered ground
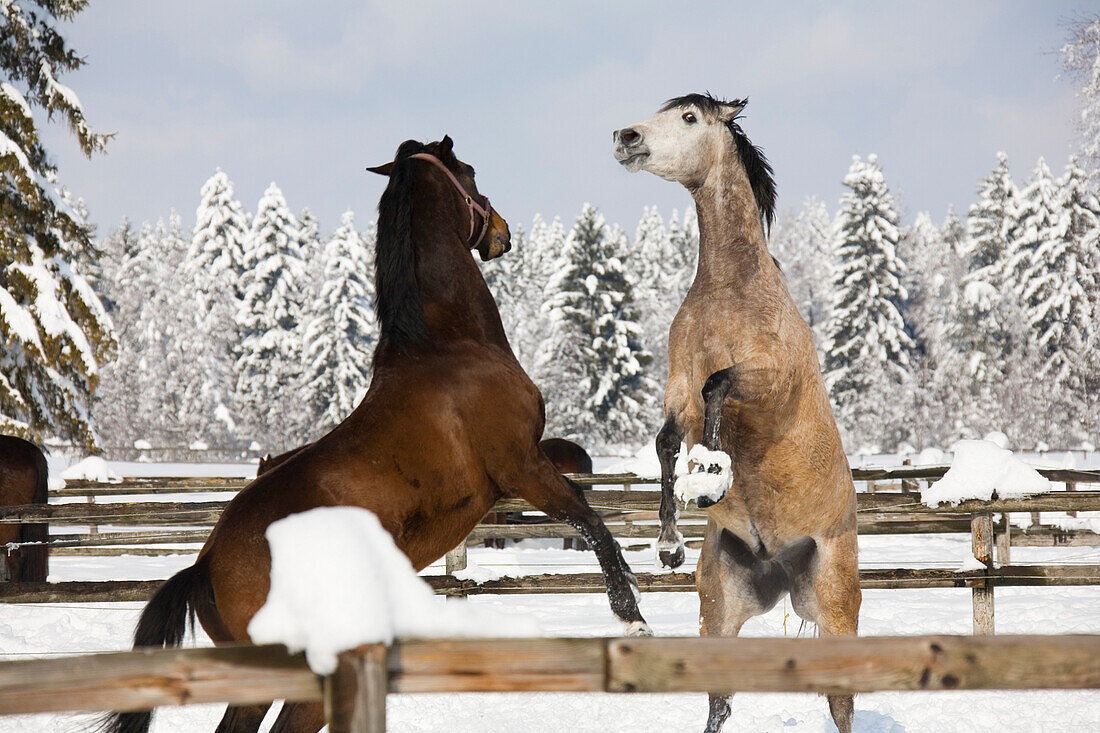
46	630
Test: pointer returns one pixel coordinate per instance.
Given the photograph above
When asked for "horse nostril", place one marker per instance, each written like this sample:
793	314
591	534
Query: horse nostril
629	136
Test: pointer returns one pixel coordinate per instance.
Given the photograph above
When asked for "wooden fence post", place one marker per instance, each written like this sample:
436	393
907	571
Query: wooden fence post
1070	486
981	540
456	558
1004	541
355	695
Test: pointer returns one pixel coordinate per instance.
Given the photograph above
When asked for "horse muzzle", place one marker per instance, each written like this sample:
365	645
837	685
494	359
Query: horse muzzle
497	245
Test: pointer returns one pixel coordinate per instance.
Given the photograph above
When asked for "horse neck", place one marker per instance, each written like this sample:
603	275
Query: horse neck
732	247
457	302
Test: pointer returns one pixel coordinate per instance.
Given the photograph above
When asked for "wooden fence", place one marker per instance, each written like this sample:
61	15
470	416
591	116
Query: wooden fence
629	514
355	695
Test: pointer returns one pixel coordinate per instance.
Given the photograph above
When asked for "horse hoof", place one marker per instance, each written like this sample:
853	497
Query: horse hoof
672	559
638	628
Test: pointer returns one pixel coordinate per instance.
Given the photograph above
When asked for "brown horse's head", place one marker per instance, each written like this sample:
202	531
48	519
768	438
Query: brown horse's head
491	236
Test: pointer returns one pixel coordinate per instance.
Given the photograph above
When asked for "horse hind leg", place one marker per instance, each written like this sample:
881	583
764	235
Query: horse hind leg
300	717
736	583
243	718
832	598
551	493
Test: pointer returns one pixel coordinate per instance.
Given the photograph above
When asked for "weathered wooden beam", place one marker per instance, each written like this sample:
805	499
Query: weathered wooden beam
355	695
841	665
1055	537
146	678
500	665
835	665
122	513
981	541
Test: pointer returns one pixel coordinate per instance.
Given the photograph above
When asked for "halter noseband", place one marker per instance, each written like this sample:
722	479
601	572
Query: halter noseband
485	211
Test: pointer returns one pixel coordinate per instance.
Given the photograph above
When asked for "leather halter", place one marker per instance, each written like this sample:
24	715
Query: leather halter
486	211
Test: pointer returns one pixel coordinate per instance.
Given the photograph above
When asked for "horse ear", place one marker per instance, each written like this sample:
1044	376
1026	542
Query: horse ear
446	145
730	110
383	170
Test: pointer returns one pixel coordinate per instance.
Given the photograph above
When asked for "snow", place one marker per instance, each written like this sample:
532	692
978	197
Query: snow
997	438
929	457
981	469
141	444
92	468
709	475
339	581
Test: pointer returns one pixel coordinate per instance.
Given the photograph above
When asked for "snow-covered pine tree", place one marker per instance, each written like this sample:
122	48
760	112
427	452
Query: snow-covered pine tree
136	399
1034	224
54	332
313	253
211	281
592	368
340	339
626	398
507	281
867	357
930	280
986	316
269	356
1060	287
656	267
538	262
1081	59
803	244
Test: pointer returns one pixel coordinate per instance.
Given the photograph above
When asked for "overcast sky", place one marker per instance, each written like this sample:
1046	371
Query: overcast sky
307	94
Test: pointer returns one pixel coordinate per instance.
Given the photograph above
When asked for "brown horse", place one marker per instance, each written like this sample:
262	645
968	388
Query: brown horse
23	474
567	457
744	379
449	425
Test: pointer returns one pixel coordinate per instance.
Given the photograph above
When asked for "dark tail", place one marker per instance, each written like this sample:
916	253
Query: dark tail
167	616
36	563
770	576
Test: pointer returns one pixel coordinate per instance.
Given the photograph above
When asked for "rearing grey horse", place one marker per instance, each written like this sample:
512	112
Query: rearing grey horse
744	380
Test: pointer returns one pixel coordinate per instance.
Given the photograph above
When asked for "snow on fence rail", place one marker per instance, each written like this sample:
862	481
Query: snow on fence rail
355	694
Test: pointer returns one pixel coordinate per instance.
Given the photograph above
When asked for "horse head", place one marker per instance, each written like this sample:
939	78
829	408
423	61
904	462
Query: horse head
682	142
495	238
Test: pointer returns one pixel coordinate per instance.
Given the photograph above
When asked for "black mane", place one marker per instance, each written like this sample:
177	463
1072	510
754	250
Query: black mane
757	167
400	312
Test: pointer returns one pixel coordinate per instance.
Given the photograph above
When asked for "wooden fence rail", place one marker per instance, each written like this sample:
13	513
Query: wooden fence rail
355	695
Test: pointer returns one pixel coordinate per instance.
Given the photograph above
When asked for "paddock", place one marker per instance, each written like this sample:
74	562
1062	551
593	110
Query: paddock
564	596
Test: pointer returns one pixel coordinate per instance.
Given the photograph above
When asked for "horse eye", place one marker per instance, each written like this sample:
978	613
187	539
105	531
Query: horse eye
689	118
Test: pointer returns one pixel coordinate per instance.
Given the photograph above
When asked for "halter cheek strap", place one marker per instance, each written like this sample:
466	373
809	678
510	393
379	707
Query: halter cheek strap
486	211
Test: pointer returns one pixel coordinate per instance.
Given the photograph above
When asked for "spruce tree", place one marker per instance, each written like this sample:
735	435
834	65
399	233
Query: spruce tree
269	356
867	357
54	332
340	340
211	281
1081	59
803	246
985	330
593	366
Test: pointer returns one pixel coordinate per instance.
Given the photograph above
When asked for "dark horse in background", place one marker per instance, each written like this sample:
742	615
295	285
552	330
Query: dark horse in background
23	475
449	425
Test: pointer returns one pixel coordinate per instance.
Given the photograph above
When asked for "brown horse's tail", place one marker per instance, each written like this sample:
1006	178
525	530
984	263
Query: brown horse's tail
36	557
167	616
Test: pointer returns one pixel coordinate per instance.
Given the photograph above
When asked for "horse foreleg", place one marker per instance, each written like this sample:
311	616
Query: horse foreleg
670	543
562	500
